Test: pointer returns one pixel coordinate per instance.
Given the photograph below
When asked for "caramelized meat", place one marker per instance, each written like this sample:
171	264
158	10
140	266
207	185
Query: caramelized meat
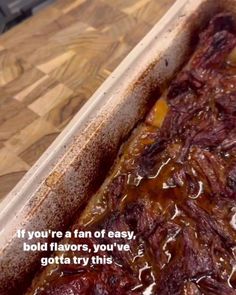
175	187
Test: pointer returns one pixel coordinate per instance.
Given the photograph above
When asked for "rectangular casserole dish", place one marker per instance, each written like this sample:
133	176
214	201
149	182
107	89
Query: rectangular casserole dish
75	165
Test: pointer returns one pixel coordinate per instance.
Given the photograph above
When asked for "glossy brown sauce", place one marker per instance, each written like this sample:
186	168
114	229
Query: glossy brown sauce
174	186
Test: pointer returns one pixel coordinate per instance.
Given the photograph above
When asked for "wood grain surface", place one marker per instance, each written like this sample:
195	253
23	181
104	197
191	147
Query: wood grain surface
52	63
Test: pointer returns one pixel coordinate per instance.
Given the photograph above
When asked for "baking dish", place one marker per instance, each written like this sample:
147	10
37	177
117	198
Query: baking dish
74	166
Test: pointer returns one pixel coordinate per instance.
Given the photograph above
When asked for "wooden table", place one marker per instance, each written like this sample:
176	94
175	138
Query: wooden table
52	63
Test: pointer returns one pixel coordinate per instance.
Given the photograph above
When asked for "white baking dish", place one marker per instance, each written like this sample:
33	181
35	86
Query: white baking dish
73	166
